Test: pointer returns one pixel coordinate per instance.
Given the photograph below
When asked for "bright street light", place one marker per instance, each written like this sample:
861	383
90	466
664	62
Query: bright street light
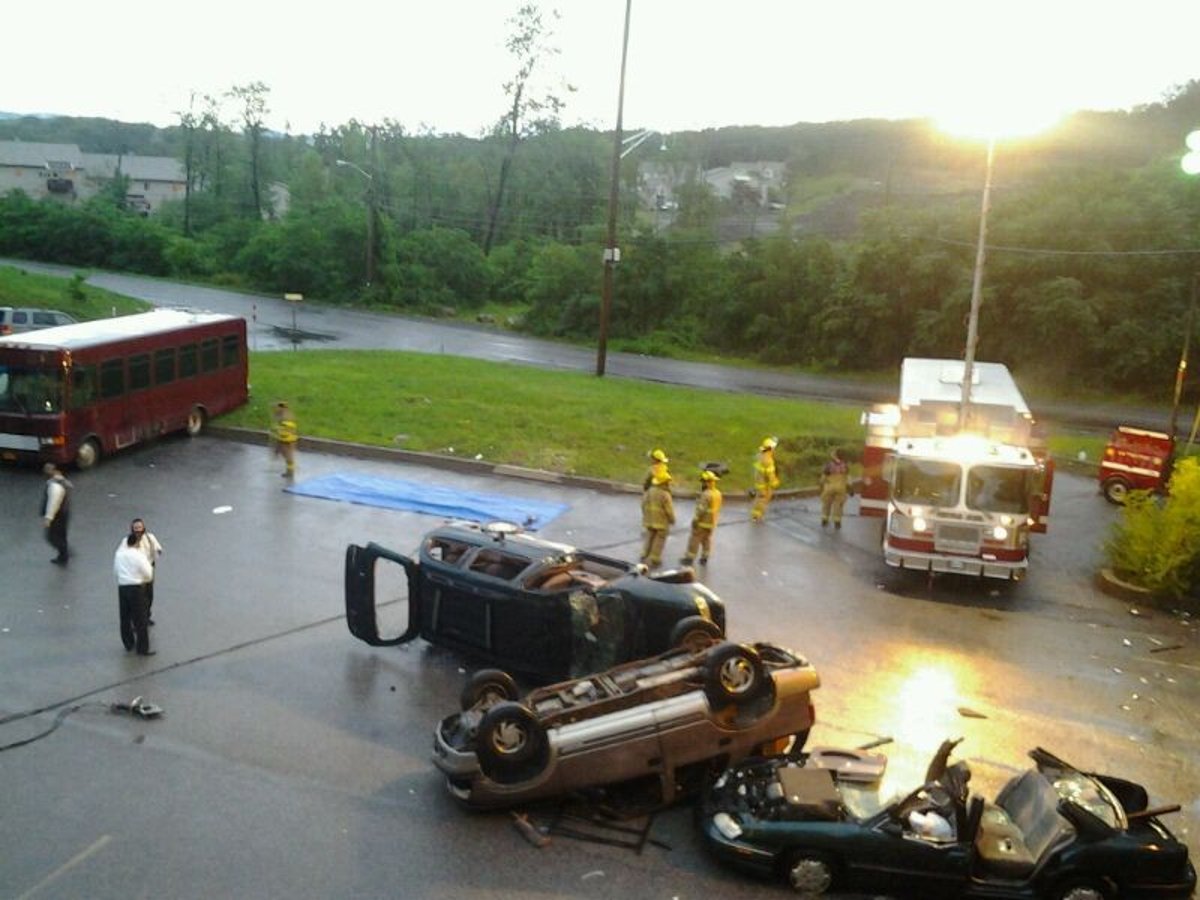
1191	160
359	169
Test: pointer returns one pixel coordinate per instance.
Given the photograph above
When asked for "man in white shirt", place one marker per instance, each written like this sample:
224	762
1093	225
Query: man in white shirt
149	545
133	572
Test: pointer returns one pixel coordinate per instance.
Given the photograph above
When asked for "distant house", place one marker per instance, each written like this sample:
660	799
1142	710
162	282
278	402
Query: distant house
754	181
63	172
751	179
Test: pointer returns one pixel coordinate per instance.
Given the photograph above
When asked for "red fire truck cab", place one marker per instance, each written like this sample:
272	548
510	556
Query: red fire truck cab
1135	460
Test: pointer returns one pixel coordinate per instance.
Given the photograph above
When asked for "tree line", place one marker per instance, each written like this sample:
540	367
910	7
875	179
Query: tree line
1091	261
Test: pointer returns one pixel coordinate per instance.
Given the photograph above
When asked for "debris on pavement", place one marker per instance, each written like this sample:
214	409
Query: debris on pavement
528	830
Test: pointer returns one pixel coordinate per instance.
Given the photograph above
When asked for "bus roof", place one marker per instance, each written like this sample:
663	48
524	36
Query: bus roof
105	331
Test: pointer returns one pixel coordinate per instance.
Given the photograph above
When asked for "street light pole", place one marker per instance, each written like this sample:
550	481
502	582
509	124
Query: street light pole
370	216
976	291
612	255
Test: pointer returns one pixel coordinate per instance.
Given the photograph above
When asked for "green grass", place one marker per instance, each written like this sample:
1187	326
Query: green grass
566	422
21	288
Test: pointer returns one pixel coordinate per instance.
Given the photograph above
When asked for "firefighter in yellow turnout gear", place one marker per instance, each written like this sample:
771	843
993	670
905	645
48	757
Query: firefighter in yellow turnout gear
704	519
658	468
765	479
658	515
284	435
835	485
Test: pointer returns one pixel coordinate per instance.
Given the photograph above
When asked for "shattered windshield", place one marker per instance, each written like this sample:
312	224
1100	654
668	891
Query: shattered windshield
597	631
927	482
27	390
998	489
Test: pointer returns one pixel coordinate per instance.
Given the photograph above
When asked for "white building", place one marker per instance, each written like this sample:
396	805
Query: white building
63	172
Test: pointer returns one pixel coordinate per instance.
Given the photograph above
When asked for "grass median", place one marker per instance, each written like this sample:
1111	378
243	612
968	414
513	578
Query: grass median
568	422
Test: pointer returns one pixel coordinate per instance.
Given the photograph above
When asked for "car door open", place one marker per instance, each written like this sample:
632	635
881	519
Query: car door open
382	595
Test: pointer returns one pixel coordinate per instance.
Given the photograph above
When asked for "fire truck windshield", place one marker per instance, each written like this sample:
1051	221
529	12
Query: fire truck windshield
29	391
926	481
998	489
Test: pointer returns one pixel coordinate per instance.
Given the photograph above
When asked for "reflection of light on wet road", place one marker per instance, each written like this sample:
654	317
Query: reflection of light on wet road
929	689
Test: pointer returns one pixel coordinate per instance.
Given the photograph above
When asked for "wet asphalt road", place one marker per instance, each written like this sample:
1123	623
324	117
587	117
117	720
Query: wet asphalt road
274	322
293	760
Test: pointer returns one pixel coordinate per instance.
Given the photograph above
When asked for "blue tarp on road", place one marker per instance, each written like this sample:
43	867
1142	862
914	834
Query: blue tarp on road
431	499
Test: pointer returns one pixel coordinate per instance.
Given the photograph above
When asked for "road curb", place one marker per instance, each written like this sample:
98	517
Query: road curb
468	466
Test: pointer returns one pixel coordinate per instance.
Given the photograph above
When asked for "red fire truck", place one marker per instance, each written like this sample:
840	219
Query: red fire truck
1135	460
954	498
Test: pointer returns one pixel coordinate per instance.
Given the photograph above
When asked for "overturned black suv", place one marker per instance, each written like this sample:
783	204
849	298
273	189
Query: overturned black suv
543	609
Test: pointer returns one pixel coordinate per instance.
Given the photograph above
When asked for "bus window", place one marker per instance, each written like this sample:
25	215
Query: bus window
83	386
139	372
187	360
112	378
29	390
209	355
164	366
231	350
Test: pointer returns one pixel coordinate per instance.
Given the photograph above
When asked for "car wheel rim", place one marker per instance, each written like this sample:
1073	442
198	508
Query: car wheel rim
1117	492
1083	893
811	876
489	697
509	738
695	641
85	458
737	675
195	421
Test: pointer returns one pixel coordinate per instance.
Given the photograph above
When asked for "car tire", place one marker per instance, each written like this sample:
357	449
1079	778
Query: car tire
87	455
1115	490
1083	889
694	633
195	421
486	688
733	673
510	743
809	874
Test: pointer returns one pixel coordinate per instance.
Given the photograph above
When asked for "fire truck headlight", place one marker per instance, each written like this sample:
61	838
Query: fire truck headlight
1000	533
919	524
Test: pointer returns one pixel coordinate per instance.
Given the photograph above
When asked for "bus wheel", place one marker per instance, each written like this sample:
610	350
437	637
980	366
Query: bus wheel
195	421
88	454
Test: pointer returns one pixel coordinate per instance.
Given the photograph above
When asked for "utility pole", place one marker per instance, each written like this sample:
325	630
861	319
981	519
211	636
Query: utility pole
612	254
1181	371
976	292
371	208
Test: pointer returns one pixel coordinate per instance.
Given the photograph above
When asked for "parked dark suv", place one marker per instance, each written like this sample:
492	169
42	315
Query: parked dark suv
19	319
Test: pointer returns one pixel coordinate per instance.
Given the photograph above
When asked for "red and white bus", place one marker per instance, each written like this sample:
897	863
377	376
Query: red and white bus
73	393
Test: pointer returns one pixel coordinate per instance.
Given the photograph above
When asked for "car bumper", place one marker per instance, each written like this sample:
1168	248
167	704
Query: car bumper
958	565
1179	890
733	851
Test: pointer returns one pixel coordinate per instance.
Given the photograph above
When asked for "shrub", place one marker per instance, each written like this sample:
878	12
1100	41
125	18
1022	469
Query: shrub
1156	544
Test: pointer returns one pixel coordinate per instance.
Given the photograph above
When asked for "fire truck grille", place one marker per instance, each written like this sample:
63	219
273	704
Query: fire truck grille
957	538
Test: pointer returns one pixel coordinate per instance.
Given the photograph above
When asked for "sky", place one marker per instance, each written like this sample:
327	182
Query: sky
441	64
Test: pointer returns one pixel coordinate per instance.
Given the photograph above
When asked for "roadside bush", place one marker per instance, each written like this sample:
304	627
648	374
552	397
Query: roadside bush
1156	544
442	266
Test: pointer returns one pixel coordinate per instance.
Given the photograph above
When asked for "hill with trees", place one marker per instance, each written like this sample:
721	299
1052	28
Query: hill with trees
1092	240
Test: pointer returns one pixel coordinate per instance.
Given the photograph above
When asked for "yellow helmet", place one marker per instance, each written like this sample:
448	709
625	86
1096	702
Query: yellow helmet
708	475
769	443
658	456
